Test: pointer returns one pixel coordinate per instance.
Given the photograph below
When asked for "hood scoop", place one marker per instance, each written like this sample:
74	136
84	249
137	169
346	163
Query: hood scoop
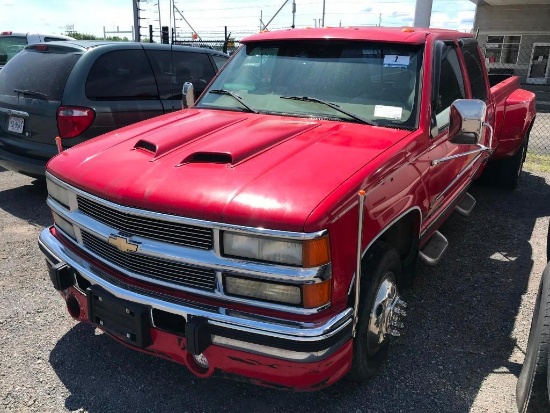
174	136
146	146
208	157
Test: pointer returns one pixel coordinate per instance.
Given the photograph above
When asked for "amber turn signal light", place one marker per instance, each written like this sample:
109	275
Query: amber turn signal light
315	252
316	295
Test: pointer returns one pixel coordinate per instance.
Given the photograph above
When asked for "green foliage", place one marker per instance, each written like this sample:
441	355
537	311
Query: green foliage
86	36
537	162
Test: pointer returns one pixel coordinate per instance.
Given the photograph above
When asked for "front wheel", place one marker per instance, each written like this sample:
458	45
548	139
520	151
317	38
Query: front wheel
379	311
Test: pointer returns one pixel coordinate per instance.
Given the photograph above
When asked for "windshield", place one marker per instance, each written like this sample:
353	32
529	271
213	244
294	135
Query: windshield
10	46
375	83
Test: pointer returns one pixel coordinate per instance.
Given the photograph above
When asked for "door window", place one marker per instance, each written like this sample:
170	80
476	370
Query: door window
451	85
475	72
121	75
219	61
173	69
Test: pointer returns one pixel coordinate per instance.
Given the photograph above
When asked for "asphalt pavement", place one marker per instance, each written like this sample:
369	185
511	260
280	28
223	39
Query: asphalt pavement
461	349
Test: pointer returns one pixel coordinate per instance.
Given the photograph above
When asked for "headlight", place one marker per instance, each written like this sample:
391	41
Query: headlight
301	253
289	294
58	193
308	295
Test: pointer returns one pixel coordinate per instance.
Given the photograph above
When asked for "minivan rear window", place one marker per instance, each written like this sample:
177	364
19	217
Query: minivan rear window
41	73
121	75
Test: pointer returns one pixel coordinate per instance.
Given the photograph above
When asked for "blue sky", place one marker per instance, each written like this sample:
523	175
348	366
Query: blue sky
208	18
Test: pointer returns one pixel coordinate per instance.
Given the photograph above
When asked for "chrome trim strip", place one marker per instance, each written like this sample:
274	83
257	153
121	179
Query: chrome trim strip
299	331
218	293
275	352
193	256
191	221
391	224
352	282
207	259
436	162
457	178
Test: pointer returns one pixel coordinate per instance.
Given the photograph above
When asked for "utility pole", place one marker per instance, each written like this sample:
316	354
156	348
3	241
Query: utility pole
294	13
423	13
323	25
135	6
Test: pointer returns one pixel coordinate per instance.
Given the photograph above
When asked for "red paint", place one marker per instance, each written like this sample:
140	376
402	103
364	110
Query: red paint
292	174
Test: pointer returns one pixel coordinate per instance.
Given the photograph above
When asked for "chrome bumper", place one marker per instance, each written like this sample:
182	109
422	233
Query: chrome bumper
283	339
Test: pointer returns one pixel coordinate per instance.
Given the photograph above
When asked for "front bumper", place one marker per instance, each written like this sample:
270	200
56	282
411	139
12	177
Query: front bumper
266	350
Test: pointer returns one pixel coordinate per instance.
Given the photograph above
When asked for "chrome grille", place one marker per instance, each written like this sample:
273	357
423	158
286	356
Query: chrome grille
152	228
151	267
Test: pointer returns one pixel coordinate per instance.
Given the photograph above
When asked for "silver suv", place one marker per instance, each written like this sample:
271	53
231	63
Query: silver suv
12	43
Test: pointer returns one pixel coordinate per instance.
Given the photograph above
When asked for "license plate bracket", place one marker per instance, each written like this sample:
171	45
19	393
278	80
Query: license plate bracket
16	124
126	320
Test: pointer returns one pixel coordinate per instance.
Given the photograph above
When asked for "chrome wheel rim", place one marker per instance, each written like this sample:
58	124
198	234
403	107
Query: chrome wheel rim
384	314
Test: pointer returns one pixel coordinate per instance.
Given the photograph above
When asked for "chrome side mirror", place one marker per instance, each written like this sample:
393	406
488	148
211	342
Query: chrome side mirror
187	95
466	121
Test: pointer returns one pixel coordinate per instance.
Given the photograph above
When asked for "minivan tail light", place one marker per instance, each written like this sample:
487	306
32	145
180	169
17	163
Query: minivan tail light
73	121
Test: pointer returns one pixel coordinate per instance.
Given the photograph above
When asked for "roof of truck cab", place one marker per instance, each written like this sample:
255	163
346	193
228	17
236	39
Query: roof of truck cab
412	35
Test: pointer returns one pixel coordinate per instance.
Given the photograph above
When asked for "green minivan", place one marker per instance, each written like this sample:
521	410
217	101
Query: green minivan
81	89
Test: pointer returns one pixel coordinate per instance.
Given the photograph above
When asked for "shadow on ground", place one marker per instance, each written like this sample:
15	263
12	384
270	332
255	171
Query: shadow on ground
27	201
459	329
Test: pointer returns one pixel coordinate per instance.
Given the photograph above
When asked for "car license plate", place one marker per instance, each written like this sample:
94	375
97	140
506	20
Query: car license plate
16	124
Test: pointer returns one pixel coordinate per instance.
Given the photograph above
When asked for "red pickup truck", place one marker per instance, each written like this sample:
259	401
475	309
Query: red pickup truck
266	231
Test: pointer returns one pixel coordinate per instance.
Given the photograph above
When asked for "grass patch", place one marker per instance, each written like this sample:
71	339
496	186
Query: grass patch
537	162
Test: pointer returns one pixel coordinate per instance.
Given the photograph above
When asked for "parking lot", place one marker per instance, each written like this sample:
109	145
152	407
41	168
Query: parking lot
461	351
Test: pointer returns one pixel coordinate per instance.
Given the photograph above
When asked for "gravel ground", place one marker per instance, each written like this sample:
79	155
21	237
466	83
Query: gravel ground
461	351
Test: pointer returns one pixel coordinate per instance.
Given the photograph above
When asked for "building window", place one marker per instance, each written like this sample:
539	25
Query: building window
502	49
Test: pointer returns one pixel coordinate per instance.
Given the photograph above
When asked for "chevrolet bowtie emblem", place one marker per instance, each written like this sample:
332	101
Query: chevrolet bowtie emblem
123	244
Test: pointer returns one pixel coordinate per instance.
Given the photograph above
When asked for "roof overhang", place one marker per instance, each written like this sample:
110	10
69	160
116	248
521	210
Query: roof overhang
510	2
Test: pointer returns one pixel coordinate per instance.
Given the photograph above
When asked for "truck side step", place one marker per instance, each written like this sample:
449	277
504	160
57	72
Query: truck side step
432	252
466	205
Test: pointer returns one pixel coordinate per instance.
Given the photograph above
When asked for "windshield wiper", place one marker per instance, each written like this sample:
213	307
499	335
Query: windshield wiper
330	105
31	93
234	96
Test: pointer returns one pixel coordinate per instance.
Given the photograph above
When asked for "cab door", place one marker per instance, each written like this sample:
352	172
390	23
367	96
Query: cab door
448	179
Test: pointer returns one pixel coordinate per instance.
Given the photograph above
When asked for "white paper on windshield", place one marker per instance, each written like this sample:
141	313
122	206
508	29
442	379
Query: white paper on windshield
388	112
394	60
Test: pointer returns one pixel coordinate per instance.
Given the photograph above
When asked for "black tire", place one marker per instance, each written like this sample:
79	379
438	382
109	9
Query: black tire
381	266
510	168
505	173
532	388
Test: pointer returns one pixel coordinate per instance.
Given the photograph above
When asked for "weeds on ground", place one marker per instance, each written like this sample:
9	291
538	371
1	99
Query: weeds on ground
537	162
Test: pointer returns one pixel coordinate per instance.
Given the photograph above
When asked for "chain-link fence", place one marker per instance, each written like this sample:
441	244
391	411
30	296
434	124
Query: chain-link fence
226	46
525	56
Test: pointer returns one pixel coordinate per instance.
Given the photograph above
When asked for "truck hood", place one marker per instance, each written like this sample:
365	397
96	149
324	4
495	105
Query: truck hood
245	169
